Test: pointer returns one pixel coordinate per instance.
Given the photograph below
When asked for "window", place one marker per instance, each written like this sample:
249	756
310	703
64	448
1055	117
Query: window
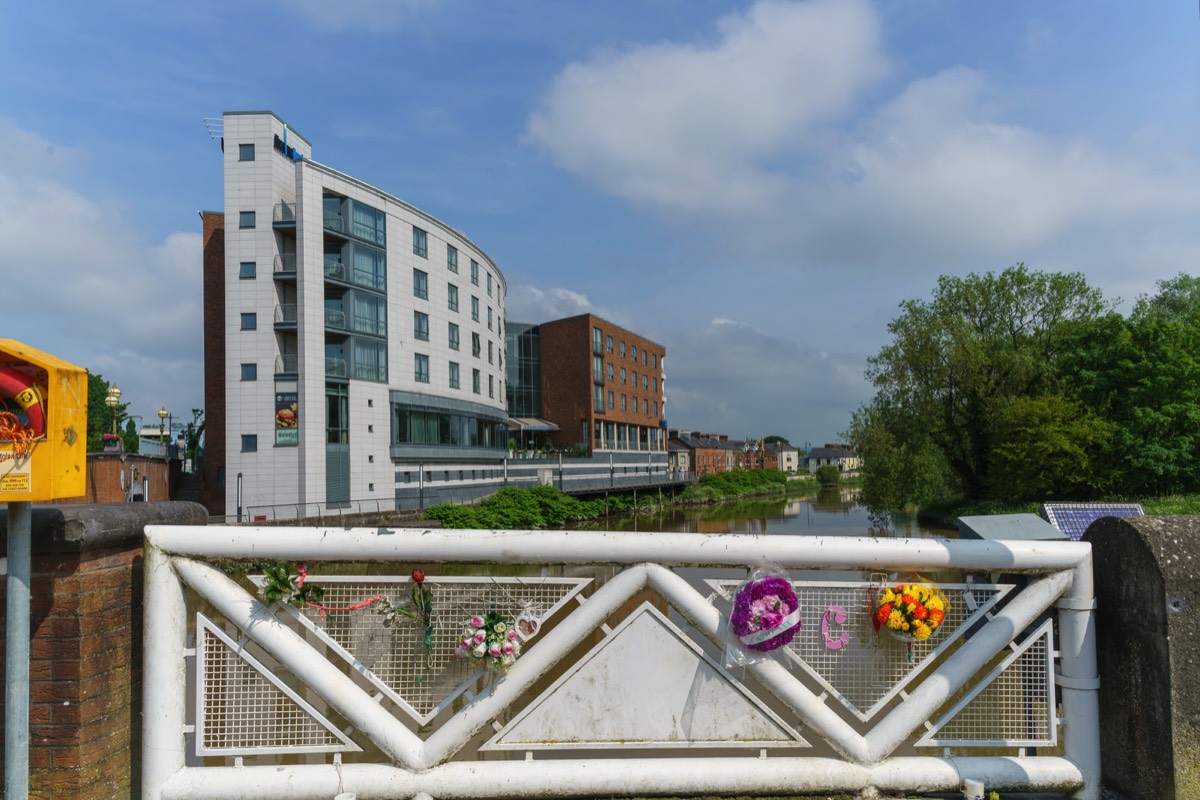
453	336
420	284
655	382
610	372
452	258
633	353
476	347
370	360
453	374
475	308
622	375
643	358
452	297
249	372
646	407
475	381
368	223
645	381
474	272
654	361
490	355
491	386
248	270
489	284
633	377
597	369
489	318
421	368
599	398
610	399
369	267
419	247
249	321
245	152
420	326
249	443
246	219
597	338
624	403
656	408
622	349
370	314
608	343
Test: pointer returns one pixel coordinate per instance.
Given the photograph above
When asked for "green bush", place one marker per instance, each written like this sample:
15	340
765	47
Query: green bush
828	475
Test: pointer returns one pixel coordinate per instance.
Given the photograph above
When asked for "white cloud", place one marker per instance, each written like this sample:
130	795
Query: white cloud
377	16
527	303
693	126
83	287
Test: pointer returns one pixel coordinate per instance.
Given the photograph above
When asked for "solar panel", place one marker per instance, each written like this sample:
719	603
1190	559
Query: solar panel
1074	518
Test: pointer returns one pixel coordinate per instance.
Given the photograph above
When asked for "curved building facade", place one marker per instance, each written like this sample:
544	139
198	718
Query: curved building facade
362	339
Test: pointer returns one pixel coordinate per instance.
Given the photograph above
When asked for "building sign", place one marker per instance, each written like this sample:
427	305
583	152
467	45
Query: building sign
287	418
284	149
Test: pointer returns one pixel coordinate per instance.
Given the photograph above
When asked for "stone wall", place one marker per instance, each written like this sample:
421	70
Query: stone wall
1148	648
85	665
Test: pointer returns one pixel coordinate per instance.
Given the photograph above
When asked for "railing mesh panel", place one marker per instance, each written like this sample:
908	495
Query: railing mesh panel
243	711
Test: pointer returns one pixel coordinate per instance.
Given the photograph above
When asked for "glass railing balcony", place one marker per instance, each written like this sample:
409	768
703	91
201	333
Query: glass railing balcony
335	222
335	269
335	318
285	214
285	314
287	363
335	367
285	264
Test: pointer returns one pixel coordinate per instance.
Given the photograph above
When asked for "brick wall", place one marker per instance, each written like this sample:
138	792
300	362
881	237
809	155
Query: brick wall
212	467
104	472
85	665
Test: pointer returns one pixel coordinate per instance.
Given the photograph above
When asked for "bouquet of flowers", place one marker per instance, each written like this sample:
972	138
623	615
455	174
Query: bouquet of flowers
488	640
911	612
766	613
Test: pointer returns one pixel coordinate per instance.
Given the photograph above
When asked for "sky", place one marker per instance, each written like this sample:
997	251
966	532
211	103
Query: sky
754	185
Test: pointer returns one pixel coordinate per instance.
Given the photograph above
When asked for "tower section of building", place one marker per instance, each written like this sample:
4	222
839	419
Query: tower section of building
363	339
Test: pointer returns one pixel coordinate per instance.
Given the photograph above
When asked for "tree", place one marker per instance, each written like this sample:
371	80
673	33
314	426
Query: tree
954	364
130	437
1177	298
828	475
99	415
775	439
192	434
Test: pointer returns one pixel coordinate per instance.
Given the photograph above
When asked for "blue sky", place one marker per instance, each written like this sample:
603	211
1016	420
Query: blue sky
754	185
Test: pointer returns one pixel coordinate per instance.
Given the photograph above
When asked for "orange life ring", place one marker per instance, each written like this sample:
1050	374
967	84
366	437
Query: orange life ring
21	387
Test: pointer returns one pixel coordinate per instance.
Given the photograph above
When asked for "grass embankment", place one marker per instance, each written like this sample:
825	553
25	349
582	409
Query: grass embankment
543	506
947	514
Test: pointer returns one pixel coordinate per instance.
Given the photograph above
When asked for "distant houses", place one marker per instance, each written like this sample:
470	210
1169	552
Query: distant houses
841	456
708	453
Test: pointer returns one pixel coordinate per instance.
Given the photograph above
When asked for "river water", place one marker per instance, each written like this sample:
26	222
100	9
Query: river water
828	513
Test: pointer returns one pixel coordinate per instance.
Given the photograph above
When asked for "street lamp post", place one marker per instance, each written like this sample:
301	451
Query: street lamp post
163	416
112	400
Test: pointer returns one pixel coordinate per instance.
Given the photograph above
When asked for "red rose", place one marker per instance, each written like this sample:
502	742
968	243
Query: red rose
936	616
921	612
884	612
418	575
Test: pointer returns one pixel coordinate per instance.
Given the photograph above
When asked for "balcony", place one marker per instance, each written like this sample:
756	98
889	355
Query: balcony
370	280
285	315
335	319
335	222
285	265
335	270
375	327
284	216
335	368
287	364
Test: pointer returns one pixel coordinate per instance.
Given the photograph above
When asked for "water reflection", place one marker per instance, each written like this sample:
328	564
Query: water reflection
830	512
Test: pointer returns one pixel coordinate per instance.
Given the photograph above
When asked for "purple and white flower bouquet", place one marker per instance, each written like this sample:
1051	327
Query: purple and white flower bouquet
489	640
766	613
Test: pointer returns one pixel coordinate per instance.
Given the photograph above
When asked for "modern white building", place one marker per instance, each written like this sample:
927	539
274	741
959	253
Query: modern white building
354	346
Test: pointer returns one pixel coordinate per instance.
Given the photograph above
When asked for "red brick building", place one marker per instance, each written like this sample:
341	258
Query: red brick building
602	385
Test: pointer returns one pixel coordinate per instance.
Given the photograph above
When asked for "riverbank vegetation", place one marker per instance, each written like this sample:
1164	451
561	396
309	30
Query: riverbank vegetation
1006	390
545	506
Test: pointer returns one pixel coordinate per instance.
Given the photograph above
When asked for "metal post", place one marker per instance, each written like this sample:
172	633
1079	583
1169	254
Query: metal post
239	497
16	642
145	488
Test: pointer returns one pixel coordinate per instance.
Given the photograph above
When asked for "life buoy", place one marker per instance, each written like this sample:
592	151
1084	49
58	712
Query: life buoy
21	387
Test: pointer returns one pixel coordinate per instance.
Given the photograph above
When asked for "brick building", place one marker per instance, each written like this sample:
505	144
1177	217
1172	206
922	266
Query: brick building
600	384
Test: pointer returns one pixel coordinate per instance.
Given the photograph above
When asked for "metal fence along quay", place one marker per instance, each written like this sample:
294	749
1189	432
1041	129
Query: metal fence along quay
619	677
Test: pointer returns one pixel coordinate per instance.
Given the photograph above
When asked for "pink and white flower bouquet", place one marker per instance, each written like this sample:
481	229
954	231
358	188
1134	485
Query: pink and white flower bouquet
489	640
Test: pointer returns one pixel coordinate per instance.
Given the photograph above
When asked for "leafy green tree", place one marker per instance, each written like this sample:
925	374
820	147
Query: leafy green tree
775	439
100	416
954	364
829	475
193	432
130	437
1177	298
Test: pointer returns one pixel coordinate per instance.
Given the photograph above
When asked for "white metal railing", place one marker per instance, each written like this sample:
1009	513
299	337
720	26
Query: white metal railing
650	707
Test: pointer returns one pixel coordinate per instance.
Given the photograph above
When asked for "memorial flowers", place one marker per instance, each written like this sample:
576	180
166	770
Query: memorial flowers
911	612
766	613
489	640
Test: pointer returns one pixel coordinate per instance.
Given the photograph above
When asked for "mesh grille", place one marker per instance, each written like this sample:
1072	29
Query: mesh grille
870	666
397	655
243	711
1015	708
